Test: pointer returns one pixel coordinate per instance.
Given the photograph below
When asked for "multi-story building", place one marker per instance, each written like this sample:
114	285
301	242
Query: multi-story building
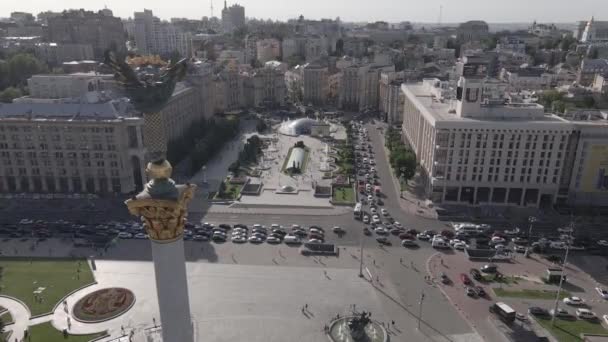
478	150
315	84
55	54
471	31
360	86
71	148
316	47
236	56
528	78
56	86
153	36
228	92
251	49
233	17
265	87
182	111
391	98
589	68
101	30
268	50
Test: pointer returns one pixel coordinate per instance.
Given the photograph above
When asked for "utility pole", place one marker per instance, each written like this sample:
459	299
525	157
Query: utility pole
531	221
420	308
563	275
361	256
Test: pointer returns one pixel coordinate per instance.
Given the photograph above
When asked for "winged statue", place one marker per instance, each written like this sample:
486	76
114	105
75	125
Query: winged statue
147	91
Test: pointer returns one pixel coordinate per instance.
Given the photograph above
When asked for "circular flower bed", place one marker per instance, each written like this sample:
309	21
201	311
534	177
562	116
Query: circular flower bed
103	305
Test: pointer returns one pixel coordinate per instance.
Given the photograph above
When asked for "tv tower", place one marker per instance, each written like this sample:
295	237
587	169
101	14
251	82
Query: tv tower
211	8
440	15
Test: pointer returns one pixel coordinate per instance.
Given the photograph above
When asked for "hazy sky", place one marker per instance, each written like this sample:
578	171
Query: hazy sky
348	10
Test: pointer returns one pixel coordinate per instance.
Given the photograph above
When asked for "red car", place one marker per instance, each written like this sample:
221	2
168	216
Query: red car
448	234
406	236
465	279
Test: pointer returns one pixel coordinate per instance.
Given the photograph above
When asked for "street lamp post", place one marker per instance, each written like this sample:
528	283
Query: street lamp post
531	221
563	275
420	308
361	256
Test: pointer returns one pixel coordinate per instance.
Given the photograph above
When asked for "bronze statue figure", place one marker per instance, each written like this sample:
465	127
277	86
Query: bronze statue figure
147	91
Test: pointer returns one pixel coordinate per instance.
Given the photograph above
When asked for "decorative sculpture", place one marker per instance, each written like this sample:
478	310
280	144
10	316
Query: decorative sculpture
162	205
357	324
149	88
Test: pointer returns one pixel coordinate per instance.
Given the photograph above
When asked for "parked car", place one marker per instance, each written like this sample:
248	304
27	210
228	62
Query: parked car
422	236
585	314
538	311
491	268
465	279
560	313
382	239
574	301
470	291
291	239
480	291
338	230
408	243
444	278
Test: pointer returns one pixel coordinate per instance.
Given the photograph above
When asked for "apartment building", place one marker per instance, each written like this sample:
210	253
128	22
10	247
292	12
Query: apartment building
71	148
316	86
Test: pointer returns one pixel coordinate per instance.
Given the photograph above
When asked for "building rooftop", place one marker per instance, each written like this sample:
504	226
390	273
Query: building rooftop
440	110
111	110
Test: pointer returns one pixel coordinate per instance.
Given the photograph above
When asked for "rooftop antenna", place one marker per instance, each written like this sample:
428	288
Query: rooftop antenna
440	15
211	8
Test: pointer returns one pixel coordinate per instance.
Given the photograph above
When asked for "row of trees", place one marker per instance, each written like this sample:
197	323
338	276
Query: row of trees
402	158
14	72
556	102
250	153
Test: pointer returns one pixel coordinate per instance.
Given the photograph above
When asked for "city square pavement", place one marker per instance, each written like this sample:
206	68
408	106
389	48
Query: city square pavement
255	293
529	270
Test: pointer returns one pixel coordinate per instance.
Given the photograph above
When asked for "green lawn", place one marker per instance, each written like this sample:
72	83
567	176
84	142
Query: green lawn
45	332
58	277
344	195
233	191
570	330
530	294
502	280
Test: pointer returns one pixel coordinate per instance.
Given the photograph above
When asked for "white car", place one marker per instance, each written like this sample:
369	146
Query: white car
397	224
520	249
384	212
141	236
125	235
375	219
603	243
381	231
365	219
585	314
315	231
422	236
291	239
239	239
576	301
337	229
602	292
255	239
499	247
455	241
498	239
605	317
314	241
272	239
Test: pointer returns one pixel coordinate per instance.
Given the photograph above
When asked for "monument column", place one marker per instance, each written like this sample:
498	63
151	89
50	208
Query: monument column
162	207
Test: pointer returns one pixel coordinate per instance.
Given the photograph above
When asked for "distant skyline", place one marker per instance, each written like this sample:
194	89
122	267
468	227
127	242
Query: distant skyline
348	10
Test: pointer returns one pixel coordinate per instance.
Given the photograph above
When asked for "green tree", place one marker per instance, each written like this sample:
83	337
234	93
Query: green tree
10	93
23	66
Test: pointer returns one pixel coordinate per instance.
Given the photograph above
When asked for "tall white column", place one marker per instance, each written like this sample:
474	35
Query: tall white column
172	290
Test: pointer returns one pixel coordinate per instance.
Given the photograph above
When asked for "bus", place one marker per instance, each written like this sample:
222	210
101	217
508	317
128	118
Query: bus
358	211
505	312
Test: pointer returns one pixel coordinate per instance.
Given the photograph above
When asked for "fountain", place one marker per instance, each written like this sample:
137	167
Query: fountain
357	328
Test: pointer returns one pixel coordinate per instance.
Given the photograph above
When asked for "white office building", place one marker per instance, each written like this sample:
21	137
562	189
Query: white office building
477	150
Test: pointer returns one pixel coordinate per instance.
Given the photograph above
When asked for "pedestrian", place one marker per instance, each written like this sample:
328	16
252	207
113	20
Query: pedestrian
393	323
306	306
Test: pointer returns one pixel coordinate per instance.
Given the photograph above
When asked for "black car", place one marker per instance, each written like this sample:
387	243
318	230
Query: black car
240	225
537	311
480	291
225	226
489	269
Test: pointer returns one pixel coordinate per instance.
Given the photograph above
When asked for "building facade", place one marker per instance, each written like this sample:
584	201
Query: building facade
233	17
476	151
70	148
56	54
65	86
101	30
315	84
472	31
